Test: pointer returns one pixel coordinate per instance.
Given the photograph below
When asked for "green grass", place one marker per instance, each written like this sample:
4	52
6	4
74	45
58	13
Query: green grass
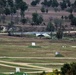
28	60
59	55
42	49
19	73
6	69
49	65
34	47
21	47
10	69
2	74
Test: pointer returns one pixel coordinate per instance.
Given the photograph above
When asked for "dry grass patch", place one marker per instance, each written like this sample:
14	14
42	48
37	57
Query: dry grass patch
45	49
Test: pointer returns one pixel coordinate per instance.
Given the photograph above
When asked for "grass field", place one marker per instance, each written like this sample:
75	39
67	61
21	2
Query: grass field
18	52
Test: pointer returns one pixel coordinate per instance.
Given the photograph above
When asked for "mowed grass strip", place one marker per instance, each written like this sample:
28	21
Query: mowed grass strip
8	69
43	49
26	60
49	66
20	66
19	47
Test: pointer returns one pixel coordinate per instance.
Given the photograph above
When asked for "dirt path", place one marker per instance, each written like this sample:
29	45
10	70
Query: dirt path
32	66
26	64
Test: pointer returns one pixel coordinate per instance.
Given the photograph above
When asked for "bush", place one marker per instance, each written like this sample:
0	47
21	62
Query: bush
33	3
42	9
59	55
34	46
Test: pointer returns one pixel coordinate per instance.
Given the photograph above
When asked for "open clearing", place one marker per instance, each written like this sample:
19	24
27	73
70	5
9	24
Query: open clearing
16	52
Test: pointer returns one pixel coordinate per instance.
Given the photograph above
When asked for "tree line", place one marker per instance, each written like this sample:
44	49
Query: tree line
18	8
54	3
13	7
66	69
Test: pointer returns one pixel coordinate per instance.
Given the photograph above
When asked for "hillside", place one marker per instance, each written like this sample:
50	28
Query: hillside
51	15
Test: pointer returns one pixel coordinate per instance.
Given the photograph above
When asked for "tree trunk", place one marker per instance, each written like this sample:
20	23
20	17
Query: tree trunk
51	34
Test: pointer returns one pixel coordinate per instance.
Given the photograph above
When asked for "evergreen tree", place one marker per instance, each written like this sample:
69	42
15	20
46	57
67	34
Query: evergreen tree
34	3
23	6
7	11
74	3
37	19
17	3
55	3
63	5
11	6
43	9
73	21
45	2
65	69
73	68
68	69
71	16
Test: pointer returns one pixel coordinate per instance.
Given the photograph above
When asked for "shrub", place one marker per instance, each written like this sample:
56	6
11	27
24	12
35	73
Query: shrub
59	55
